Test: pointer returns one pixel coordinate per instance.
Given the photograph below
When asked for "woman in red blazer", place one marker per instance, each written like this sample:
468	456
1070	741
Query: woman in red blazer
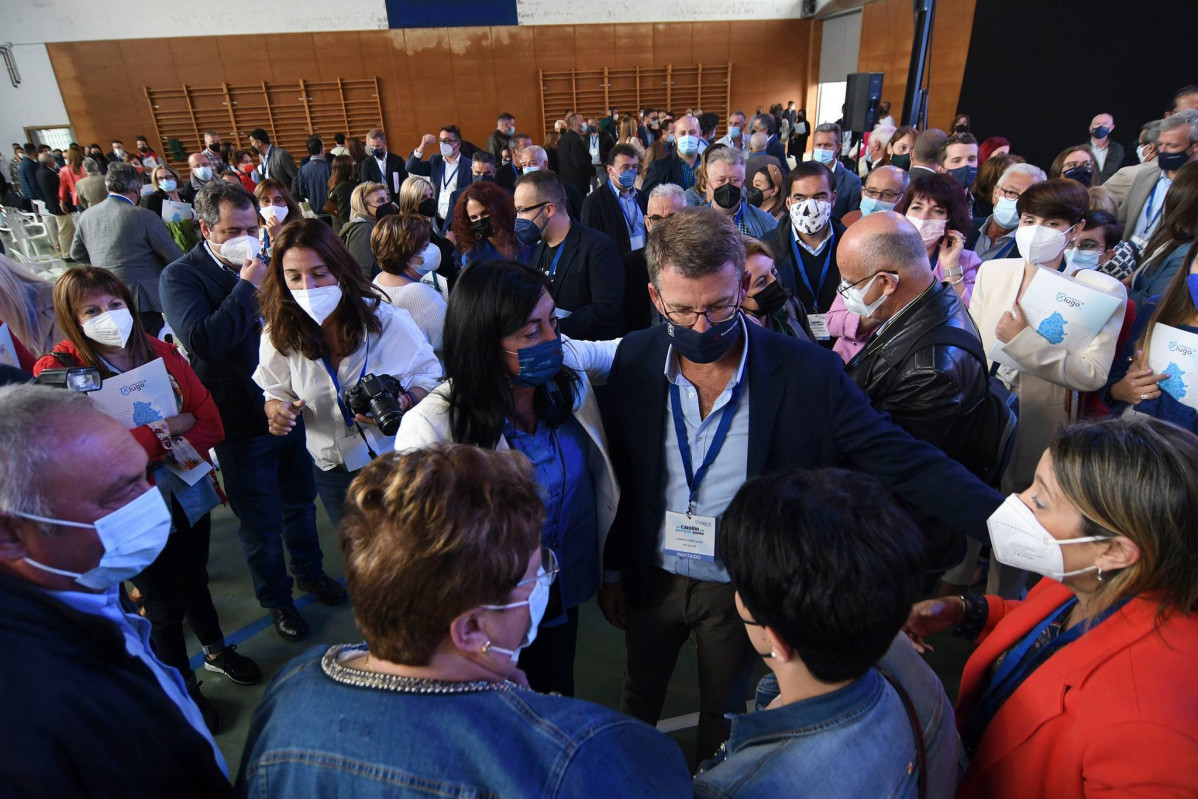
93	306
1086	688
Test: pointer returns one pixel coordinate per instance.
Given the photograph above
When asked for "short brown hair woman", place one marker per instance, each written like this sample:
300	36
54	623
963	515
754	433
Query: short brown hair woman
326	329
94	308
403	246
1086	687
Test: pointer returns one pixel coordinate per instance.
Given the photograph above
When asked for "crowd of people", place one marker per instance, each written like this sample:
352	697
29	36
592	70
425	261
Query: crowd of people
806	409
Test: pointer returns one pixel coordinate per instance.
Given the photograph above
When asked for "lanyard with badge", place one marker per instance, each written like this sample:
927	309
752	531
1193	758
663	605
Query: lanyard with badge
557	257
634	242
818	321
1150	219
689	535
447	176
357	447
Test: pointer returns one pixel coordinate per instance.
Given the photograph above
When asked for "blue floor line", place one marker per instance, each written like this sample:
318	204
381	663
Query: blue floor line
253	628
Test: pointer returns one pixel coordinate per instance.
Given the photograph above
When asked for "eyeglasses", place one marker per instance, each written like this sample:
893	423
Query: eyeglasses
549	569
844	287
526	209
655	218
716	315
1009	194
450	142
888	196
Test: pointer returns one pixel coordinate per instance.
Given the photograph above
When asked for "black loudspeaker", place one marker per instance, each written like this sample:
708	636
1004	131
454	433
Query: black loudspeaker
861	99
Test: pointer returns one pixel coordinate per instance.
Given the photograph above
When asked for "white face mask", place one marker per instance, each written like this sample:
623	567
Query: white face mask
810	216
1141	152
1005	213
1082	259
273	213
239	249
446	150
318	303
854	298
1039	244
929	229
132	536
537	601
110	328
202	173
1020	541
431	255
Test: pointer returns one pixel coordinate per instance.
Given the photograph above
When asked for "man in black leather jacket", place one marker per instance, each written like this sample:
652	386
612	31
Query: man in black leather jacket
912	368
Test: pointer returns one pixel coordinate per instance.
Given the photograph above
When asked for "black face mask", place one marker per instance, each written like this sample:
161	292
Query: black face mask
427	207
770	299
384	211
483	179
481	227
903	161
754	196
1082	174
708	346
214	148
727	196
961	129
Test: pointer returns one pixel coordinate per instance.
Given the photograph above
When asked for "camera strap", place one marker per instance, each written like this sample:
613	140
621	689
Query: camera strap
346	414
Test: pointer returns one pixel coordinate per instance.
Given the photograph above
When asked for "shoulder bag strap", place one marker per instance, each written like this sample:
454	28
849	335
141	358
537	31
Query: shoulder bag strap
916	729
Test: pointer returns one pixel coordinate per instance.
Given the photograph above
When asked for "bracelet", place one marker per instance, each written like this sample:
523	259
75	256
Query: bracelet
957	281
951	273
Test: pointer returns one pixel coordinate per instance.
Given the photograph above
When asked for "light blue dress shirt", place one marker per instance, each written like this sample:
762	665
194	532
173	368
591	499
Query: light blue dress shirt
726	474
634	220
136	632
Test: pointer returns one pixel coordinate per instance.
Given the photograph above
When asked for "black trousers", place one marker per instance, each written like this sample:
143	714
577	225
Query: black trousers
175	587
549	662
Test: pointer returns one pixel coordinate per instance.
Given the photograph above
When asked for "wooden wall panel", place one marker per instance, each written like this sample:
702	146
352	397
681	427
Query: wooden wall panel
887	28
431	76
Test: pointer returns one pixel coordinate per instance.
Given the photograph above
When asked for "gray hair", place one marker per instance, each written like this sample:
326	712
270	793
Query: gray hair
209	198
26	412
536	152
881	135
90	166
47	159
123	178
725	155
211	134
1187	118
1151	132
742	115
759	141
1031	170
669	191
830	127
768	121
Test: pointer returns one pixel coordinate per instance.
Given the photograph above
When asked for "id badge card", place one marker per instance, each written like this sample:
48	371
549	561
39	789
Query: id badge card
353	451
636	242
819	325
691	537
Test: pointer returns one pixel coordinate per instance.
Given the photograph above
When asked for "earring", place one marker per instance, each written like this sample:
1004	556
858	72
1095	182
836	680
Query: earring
1100	574
486	647
773	653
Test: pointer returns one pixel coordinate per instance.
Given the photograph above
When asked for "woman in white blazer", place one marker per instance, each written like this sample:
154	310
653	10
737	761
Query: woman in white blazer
515	383
1048	377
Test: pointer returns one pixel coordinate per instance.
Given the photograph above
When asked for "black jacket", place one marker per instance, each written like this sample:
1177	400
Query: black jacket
574	161
588	282
506	176
215	315
79	716
664	170
602	211
639	312
784	246
497	142
47	184
804	412
397	173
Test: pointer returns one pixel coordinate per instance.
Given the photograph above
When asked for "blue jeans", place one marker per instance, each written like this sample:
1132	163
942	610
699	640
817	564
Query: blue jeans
332	487
269	483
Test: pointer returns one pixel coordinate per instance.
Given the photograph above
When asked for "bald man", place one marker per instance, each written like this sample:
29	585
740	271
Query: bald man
884	188
758	157
679	166
924	363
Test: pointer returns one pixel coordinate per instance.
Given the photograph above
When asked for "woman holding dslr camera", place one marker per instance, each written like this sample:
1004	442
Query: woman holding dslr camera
329	344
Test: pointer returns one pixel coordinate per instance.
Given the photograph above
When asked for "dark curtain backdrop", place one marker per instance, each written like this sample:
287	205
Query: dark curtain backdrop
1039	70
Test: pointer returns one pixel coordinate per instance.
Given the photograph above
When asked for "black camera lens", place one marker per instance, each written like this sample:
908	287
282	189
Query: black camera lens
386	413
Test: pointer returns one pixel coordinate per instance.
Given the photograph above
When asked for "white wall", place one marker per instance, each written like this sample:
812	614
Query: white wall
557	12
838	51
35	103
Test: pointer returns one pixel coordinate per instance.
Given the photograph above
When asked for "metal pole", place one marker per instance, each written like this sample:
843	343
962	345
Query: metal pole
915	97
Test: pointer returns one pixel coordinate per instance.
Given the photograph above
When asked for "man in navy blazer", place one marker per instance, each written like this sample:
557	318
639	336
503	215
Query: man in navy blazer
615	209
695	411
448	170
381	165
211	304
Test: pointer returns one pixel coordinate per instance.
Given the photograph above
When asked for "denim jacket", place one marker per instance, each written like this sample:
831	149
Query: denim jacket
318	735
856	741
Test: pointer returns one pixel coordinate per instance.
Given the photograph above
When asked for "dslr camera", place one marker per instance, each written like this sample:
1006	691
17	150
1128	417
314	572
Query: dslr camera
377	396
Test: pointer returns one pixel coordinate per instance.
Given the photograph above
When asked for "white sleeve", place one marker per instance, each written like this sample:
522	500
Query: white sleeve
404	353
593	357
273	374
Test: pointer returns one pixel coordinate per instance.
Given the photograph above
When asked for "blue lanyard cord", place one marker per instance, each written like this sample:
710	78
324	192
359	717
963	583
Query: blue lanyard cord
553	266
1148	207
447	176
629	220
802	270
693	478
1006	250
126	199
328	367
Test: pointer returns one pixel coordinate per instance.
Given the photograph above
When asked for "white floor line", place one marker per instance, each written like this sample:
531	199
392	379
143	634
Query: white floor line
689	720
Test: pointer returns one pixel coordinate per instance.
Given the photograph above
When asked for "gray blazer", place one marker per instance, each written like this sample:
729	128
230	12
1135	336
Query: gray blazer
131	241
280	166
1137	195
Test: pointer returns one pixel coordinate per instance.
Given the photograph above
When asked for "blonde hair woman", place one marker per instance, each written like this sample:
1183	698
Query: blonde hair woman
27	308
364	205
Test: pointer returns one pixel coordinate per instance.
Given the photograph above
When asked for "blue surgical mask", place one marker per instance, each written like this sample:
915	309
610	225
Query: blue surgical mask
627	179
708	346
538	363
871	206
688	145
528	170
1005	213
1192	285
825	157
669	138
527	230
734	132
1082	259
964	175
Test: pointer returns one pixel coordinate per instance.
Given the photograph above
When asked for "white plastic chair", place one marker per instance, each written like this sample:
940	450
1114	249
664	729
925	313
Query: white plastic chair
27	235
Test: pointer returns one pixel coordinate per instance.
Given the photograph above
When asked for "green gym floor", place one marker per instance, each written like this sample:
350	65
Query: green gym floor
598	671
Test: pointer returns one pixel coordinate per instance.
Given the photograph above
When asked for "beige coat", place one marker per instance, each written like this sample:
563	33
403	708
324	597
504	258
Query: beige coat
1049	377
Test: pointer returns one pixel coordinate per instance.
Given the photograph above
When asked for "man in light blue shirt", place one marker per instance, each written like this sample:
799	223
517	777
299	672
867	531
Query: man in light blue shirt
77	516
